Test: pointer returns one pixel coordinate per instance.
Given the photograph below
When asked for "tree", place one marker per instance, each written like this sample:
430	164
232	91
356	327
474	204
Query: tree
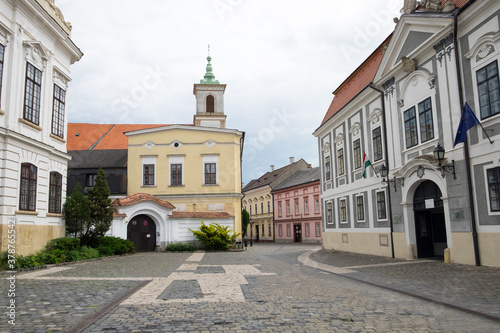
245	219
76	211
100	207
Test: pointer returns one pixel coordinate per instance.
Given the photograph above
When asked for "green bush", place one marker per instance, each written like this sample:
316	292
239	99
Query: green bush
49	258
29	261
89	253
66	244
108	246
179	247
215	237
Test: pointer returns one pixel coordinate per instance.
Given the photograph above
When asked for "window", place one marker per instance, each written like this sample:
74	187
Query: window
329	213
327	168
250	212
148	174
296	207
318	230
262	229
55	193
32	94
262	208
210	175
256	211
306	206
494	189
175	174
288	208
307	230
27	198
210	104
425	118
2	52
381	209
340	160
360	208
269	229
281	230
343	211
377	144
488	90
268	207
58	106
316	205
357	154
280	212
90	180
410	127
288	231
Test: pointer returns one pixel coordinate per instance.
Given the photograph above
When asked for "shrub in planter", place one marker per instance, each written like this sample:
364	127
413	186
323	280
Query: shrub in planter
89	253
215	237
179	247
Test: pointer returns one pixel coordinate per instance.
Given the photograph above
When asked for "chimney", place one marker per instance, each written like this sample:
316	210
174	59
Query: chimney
291	160
272	167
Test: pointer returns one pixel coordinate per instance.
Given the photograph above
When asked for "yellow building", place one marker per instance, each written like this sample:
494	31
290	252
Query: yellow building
180	175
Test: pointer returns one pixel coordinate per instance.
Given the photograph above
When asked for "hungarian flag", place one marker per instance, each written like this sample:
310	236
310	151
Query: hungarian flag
366	164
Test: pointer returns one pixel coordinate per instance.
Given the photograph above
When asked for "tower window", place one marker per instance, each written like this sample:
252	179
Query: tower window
210	104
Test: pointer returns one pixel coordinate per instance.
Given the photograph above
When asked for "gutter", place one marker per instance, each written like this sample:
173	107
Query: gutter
466	145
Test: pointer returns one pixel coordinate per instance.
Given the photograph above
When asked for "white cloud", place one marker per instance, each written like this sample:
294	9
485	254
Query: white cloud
275	56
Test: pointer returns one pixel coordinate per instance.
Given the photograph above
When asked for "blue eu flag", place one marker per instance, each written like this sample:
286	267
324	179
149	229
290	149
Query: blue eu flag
467	121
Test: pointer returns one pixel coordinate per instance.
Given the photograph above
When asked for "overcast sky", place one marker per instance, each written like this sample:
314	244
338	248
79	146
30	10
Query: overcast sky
281	61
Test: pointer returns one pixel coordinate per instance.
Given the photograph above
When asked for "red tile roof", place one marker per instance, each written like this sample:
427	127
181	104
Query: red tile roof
140	197
201	215
357	81
101	136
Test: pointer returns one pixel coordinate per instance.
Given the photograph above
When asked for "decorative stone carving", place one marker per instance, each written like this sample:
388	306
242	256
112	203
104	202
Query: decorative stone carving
432	81
401	102
409	6
431	5
445	46
36	54
449	6
409	65
339	140
485	50
355	129
326	148
389	87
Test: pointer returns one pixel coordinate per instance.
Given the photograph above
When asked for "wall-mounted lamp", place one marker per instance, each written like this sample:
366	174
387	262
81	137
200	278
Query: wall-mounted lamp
439	157
384	172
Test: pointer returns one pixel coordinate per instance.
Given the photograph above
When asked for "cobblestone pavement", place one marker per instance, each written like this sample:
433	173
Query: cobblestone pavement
268	288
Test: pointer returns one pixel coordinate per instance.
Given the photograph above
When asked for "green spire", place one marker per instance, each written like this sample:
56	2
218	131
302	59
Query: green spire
209	77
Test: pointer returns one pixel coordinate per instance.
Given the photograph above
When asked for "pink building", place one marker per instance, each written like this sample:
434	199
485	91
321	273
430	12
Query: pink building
297	208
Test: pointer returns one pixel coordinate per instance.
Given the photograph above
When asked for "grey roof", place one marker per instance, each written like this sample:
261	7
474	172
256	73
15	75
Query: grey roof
271	176
105	158
300	178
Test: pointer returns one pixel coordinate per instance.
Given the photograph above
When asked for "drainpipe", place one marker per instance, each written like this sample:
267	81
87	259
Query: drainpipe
382	96
466	145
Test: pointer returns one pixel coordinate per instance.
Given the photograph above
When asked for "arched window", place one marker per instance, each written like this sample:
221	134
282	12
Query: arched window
210	104
27	197
55	193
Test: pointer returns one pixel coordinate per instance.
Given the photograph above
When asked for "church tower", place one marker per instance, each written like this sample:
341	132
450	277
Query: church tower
209	95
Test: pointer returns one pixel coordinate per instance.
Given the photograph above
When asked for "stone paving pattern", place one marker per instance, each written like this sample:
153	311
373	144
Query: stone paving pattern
471	287
279	294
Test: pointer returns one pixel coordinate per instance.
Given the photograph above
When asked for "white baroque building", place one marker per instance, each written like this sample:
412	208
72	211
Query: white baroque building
36	52
397	107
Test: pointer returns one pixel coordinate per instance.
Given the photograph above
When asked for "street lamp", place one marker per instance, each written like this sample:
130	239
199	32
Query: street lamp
384	173
251	231
439	157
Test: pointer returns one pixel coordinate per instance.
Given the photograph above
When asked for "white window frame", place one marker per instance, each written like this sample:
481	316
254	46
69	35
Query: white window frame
211	159
175	159
149	160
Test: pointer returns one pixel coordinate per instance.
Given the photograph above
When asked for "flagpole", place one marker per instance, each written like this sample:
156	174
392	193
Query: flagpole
486	133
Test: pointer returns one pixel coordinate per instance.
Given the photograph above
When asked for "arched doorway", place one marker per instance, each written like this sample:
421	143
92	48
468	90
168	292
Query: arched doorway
430	228
141	231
